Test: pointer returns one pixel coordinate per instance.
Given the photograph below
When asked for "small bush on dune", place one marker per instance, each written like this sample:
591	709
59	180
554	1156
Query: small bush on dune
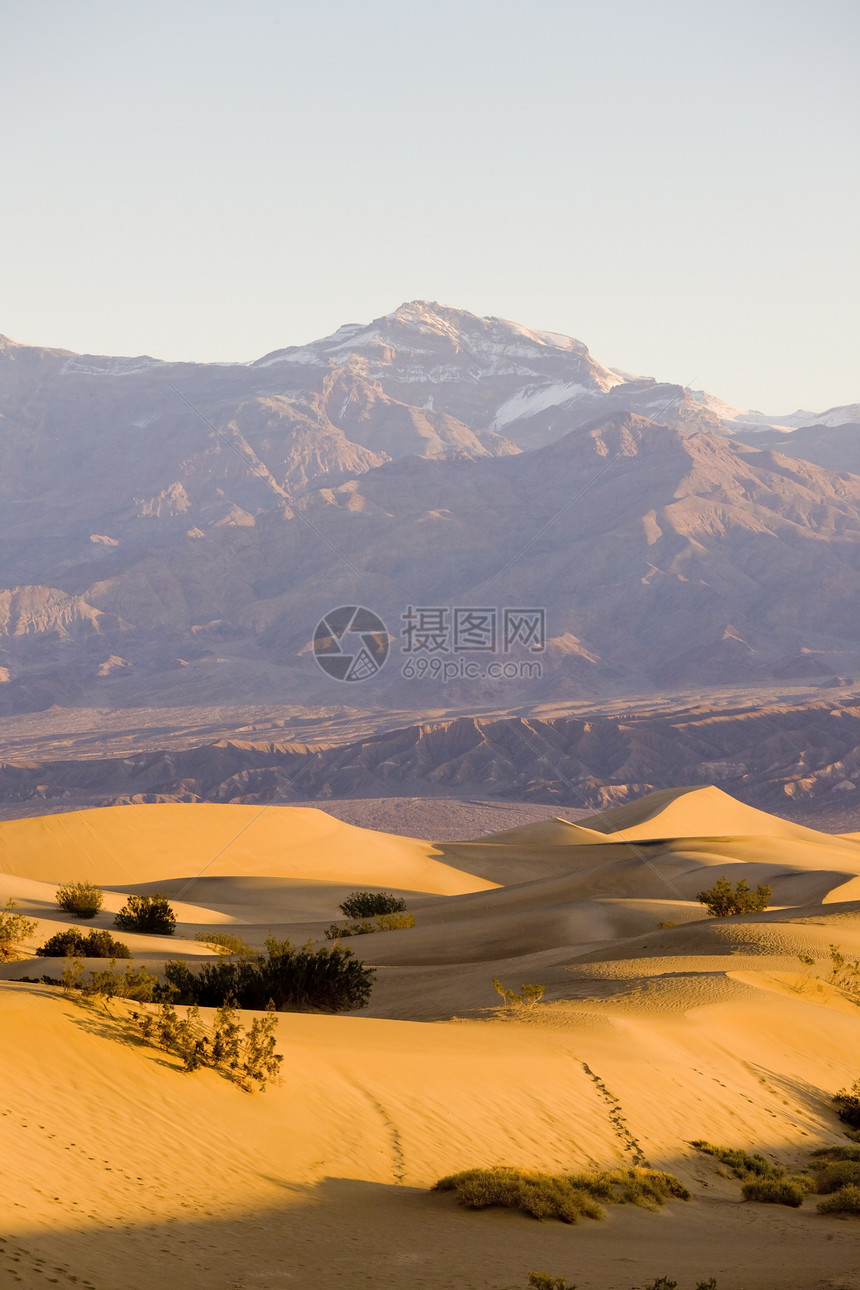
826	1155
528	996
741	1163
82	899
95	945
227	943
366	904
563	1196
837	1175
106	984
543	1281
848	1105
150	914
650	1188
13	928
248	1058
380	923
763	1181
329	979
844	1201
723	901
776	1191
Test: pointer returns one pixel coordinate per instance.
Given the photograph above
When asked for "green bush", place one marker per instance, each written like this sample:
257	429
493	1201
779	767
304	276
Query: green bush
366	904
106	984
825	1155
329	979
844	1201
380	923
151	914
543	1281
848	1105
722	900
563	1196
833	1177
776	1191
13	928
81	899
247	1058
528	996
227	943
95	945
741	1163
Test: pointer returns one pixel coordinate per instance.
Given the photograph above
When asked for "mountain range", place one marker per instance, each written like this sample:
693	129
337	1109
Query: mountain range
173	532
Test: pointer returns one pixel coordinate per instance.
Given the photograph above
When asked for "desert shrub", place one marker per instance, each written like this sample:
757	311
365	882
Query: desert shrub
563	1196
650	1188
825	1155
13	928
329	979
150	914
776	1191
105	984
82	899
248	1058
844	1201
529	996
848	1105
723	900
380	923
95	945
227	943
841	1173
366	904
742	1164
543	1281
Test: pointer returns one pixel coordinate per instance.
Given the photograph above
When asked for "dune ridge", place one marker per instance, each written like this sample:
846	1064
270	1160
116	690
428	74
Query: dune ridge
658	1026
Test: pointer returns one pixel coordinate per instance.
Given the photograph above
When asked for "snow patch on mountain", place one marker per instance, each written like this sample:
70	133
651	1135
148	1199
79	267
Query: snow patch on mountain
532	399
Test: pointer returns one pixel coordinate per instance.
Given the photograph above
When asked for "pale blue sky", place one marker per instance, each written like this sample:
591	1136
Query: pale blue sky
676	184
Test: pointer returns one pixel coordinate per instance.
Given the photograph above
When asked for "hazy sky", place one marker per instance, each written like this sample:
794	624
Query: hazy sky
676	184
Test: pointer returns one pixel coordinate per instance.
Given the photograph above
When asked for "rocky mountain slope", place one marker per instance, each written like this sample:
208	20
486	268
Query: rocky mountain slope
173	532
805	754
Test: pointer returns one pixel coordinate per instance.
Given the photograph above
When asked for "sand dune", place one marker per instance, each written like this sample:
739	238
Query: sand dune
123	1172
141	844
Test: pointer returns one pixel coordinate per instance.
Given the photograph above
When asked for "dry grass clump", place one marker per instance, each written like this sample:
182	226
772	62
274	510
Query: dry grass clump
227	943
567	1197
742	1163
841	1173
763	1181
844	1201
365	926
544	1281
777	1191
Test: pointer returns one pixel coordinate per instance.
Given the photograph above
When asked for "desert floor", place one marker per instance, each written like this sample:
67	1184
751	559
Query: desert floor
123	1173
